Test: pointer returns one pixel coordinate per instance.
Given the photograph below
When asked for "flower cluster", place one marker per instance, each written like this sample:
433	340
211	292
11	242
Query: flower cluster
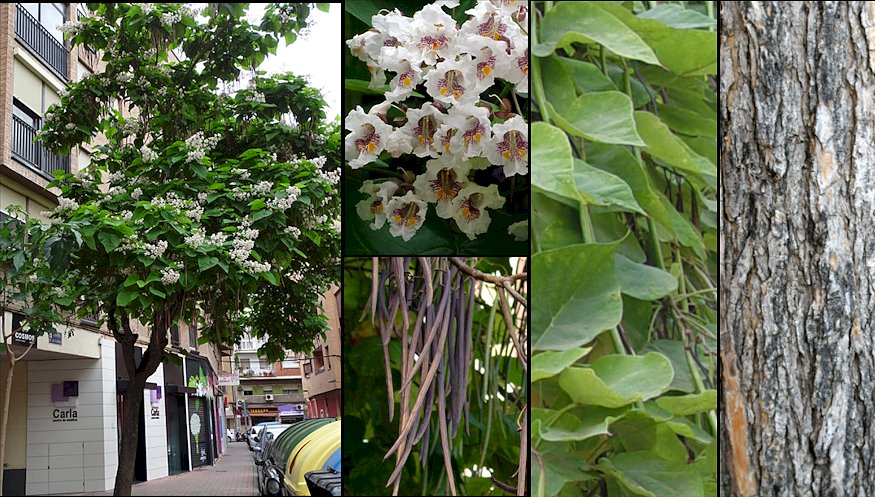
458	130
199	144
71	28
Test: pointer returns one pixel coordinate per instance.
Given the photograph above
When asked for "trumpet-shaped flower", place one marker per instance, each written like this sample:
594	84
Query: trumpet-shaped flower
453	82
406	215
441	183
509	146
408	74
470	206
422	125
473	127
373	208
367	138
432	33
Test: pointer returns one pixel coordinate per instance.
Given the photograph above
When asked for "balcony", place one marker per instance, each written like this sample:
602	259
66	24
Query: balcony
34	154
32	34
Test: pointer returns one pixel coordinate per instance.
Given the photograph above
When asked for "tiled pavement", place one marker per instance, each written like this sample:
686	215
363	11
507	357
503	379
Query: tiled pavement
233	474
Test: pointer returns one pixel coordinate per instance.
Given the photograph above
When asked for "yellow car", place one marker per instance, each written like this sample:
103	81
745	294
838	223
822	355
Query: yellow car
311	454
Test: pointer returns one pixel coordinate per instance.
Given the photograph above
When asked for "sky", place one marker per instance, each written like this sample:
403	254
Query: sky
316	55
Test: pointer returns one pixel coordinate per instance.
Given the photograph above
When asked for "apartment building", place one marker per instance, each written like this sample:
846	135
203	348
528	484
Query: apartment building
67	394
267	391
322	377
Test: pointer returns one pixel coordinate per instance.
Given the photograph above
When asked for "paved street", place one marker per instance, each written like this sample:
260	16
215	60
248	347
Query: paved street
233	474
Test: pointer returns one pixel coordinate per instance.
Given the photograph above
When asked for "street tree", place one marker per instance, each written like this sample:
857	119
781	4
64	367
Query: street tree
207	197
796	290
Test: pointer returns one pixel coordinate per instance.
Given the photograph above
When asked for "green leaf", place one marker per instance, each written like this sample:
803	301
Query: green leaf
131	280
573	311
617	380
569	427
552	155
587	77
126	296
157	292
665	146
642	281
604	117
674	351
599	187
272	277
547	364
677	16
642	473
559	87
205	262
18	259
109	240
581	22
689	404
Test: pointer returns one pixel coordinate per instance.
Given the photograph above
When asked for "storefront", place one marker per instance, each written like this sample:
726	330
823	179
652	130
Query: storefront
176	425
291	413
202	424
262	414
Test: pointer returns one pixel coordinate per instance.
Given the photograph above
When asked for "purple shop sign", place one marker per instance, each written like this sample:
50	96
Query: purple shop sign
291	410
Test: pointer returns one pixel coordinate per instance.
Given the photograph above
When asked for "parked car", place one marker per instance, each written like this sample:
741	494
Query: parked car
268	433
256	431
311	454
272	468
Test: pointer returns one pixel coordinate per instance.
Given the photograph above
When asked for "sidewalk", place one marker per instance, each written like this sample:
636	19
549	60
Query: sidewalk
233	474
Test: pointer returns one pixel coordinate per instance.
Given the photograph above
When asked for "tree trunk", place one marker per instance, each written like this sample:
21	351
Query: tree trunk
797	256
7	393
130	429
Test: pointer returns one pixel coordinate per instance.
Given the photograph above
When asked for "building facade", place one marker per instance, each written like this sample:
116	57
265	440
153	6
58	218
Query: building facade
322	377
267	391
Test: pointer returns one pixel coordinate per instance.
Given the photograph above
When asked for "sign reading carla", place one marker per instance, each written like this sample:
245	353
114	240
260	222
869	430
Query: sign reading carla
59	415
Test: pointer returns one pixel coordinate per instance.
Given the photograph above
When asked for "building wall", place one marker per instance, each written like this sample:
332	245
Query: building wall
16	431
156	429
82	454
318	383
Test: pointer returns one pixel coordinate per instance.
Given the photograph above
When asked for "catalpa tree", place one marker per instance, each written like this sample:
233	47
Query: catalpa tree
208	199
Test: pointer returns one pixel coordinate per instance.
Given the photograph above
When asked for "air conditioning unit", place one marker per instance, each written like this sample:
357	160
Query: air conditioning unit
268	397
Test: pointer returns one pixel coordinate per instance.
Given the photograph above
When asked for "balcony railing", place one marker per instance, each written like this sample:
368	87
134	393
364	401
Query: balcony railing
278	398
30	32
34	153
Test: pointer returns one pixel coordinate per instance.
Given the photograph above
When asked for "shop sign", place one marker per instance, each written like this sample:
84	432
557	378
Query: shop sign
259	410
21	337
60	415
229	379
156	413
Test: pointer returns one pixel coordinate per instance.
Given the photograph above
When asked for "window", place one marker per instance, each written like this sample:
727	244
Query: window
289	390
291	363
247	391
277	389
82	72
328	357
245	364
263	364
174	335
259	390
50	15
27	115
308	368
318	361
192	335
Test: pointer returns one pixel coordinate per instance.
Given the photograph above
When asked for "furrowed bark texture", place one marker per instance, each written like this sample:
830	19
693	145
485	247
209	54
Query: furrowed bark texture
797	152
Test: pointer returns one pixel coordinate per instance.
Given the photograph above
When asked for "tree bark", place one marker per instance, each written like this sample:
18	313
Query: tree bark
797	251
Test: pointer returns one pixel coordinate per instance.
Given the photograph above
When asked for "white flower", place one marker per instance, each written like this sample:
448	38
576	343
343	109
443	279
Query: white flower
148	154
473	127
115	177
202	197
256	267
399	143
509	146
422	125
170	18
196	239
520	231
169	276
406	215
292	230
335	225
263	187
408	74
218	239
433	33
70	126
519	72
127	215
453	82
147	8
155	250
470	208
137	193
441	184
65	204
33	278
373	208
71	28
367	138
124	77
